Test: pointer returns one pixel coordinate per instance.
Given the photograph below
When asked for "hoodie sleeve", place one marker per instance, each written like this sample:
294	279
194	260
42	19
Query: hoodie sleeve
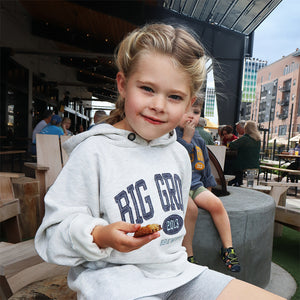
72	210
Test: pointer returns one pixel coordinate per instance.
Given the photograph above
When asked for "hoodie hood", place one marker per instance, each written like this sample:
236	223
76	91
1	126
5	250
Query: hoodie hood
123	137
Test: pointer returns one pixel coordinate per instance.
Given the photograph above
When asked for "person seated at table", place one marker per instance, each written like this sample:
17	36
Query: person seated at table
248	148
203	133
295	165
99	114
65	125
240	127
227	135
40	125
80	129
53	127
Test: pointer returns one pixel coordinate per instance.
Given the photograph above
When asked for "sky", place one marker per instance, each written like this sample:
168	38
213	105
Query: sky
279	34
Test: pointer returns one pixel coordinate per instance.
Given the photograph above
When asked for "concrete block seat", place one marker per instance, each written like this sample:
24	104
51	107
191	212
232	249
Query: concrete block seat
251	215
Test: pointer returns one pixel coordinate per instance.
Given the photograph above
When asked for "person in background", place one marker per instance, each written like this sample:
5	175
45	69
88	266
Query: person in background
80	129
200	194
227	135
248	148
37	129
203	133
295	165
53	127
220	136
65	125
240	127
99	114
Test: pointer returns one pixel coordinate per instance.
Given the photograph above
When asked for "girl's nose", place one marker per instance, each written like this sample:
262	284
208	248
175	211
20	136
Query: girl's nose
158	103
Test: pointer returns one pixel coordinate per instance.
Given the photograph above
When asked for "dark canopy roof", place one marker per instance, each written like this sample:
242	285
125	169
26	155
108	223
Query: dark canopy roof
243	16
86	32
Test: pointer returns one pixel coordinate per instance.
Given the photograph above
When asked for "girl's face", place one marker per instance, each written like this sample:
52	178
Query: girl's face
156	94
192	116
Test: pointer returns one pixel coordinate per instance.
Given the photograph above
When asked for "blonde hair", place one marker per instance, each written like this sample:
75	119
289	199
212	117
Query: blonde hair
251	129
185	51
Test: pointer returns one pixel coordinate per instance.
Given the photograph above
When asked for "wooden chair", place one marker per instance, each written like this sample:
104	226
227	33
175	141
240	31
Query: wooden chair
9	211
217	161
20	266
51	158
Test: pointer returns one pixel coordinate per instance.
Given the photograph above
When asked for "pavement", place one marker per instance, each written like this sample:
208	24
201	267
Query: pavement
281	282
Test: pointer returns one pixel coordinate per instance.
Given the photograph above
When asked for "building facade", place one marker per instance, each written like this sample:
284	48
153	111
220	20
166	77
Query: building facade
277	102
251	66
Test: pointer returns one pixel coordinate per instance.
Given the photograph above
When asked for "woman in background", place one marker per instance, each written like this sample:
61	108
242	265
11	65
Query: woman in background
248	148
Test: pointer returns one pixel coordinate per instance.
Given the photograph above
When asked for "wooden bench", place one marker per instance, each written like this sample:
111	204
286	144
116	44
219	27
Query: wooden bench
9	211
269	169
20	265
51	158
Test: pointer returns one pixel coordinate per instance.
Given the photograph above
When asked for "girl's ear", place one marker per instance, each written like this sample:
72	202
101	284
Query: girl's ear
121	84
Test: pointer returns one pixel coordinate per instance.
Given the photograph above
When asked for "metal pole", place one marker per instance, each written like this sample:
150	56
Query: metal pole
290	127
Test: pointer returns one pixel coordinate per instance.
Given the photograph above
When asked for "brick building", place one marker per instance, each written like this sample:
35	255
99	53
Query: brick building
277	102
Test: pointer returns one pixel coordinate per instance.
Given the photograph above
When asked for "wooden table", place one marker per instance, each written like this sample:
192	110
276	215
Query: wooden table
13	153
272	163
287	157
269	169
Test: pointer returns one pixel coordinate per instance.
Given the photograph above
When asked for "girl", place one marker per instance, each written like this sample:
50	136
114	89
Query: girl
131	171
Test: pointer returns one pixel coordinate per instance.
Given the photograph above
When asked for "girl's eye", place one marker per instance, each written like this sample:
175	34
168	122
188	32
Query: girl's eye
175	97
147	89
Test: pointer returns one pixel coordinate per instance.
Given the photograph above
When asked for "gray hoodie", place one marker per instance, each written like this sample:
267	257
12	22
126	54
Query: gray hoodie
115	175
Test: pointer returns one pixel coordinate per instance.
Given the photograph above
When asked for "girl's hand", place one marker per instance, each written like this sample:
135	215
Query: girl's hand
115	236
188	131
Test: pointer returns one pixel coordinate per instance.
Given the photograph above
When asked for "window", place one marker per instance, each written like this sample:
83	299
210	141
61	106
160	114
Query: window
282	130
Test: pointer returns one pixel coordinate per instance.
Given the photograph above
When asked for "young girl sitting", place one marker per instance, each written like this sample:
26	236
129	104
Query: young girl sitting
131	172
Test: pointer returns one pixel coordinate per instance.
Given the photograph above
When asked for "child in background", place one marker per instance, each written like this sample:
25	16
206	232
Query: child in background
128	172
202	182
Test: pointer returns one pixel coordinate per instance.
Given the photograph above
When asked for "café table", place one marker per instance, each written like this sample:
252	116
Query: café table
287	157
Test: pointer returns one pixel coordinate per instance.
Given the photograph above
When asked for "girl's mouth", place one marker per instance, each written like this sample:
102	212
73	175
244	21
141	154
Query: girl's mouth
153	120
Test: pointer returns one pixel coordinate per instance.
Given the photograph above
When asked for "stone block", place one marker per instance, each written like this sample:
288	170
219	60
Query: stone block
251	215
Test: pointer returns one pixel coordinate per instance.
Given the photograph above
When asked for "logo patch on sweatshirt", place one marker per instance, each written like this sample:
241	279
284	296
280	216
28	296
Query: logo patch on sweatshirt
172	224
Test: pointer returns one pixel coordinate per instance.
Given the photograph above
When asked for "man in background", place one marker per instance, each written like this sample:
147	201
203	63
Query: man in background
240	128
203	133
99	114
46	118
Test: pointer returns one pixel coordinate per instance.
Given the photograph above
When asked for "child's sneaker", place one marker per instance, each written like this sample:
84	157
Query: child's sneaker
192	260
230	259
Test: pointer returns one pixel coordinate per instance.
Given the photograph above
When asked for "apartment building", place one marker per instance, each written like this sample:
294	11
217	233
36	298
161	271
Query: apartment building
277	101
250	68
